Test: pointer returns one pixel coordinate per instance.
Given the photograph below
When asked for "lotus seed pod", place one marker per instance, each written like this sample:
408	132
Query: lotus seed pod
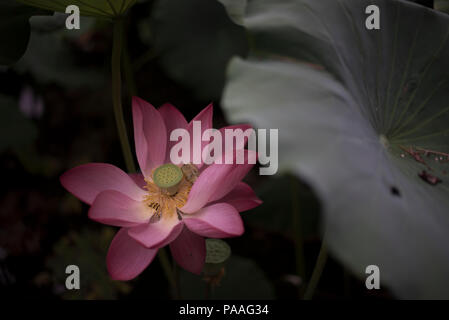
167	177
217	252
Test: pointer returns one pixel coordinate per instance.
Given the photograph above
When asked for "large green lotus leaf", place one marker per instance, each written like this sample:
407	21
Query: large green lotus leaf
14	30
195	40
94	8
347	126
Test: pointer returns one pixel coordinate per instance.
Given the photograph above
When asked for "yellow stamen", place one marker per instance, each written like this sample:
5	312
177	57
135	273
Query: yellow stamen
167	192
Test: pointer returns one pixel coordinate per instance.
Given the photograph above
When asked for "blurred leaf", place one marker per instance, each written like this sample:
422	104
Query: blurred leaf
195	40
96	8
243	279
342	127
16	131
18	134
236	9
49	23
14	30
145	33
442	5
276	213
37	164
426	3
87	250
50	59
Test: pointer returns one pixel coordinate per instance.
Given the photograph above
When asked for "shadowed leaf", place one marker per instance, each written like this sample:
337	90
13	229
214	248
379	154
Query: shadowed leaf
14	30
195	40
347	101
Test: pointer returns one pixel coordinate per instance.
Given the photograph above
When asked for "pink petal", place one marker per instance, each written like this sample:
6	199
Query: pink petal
219	220
205	186
243	127
156	235
139	137
126	258
138	178
235	176
189	251
173	119
86	181
114	208
205	116
242	197
233	153
150	136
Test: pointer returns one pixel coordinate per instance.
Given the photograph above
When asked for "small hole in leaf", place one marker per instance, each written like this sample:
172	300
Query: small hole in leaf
395	191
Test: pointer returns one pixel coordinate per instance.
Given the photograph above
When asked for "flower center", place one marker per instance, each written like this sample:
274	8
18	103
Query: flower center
168	190
168	177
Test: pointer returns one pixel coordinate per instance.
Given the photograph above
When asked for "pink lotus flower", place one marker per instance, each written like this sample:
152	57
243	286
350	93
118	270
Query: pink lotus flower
205	202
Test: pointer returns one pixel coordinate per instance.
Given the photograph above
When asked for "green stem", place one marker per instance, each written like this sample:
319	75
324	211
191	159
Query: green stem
117	47
208	291
165	263
117	95
176	287
298	234
317	271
